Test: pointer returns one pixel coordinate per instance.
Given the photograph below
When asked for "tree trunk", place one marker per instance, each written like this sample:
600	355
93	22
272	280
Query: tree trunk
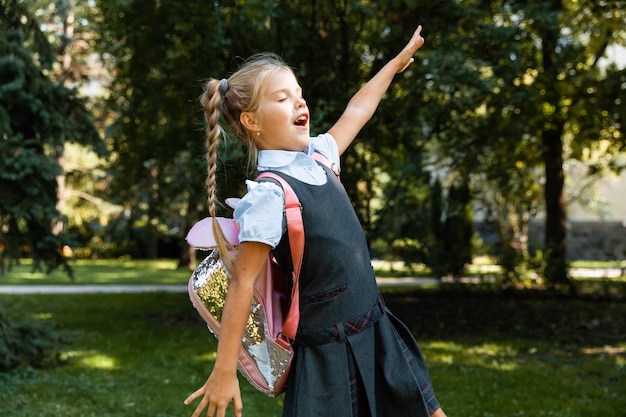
187	257
152	241
555	238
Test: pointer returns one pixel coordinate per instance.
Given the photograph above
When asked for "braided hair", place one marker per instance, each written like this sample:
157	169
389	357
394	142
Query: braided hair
229	98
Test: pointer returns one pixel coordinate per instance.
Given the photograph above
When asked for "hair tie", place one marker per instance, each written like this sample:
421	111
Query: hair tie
223	86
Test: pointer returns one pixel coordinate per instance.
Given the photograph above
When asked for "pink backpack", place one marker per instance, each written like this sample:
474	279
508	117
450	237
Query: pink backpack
266	352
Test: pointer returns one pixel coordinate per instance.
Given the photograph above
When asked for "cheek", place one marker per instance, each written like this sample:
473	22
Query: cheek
277	116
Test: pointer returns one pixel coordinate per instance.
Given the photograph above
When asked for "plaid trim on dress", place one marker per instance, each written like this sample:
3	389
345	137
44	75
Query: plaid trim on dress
340	331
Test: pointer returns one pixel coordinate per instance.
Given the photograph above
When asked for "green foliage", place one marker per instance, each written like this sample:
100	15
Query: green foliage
509	88
444	234
37	118
160	53
406	249
31	343
451	230
492	79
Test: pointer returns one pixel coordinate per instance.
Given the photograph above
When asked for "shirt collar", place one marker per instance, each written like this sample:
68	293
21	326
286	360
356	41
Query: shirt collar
269	159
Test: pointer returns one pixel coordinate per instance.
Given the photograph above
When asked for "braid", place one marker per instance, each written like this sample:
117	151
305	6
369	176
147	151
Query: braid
210	101
228	98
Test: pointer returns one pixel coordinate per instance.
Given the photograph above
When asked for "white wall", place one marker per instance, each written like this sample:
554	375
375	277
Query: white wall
610	205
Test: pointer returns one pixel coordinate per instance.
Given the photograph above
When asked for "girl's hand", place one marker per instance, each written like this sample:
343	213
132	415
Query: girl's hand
363	104
405	57
217	392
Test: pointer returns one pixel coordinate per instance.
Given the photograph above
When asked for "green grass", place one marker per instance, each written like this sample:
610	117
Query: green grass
131	355
106	271
490	354
505	355
598	264
164	271
520	355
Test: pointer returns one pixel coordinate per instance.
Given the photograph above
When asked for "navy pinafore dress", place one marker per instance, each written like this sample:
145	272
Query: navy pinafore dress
353	357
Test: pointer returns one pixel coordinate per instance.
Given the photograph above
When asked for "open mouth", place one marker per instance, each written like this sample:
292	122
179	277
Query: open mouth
302	120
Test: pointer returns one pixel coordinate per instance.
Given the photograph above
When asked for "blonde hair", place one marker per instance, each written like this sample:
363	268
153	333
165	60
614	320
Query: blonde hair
241	92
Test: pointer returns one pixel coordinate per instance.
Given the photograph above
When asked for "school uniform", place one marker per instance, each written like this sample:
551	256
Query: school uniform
352	356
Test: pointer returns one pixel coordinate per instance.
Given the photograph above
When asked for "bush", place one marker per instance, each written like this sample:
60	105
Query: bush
32	343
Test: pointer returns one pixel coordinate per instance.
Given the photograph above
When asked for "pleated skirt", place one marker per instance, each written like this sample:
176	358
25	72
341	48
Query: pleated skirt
376	371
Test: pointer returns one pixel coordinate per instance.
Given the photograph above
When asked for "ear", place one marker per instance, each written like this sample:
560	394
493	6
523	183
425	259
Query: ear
249	121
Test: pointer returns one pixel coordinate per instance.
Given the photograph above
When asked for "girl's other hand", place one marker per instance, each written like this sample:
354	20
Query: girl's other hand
217	393
405	57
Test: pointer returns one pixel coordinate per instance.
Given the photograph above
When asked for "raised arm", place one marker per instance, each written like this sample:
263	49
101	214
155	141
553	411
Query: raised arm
363	104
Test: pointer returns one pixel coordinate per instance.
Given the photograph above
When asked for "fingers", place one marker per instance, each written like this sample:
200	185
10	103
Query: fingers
407	64
416	40
210	410
414	44
194	395
202	405
217	409
238	404
417	35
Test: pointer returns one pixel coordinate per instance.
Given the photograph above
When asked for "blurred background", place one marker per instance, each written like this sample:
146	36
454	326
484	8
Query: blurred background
503	142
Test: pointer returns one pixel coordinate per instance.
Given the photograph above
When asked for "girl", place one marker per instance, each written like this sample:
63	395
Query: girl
352	356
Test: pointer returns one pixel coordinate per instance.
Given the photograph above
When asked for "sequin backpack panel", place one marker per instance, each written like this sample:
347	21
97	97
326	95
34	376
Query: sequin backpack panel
266	352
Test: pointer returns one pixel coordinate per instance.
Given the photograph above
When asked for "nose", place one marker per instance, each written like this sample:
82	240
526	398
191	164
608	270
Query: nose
301	102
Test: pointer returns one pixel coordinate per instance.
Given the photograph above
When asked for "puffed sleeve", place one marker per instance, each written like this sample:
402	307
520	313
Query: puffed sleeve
259	214
327	146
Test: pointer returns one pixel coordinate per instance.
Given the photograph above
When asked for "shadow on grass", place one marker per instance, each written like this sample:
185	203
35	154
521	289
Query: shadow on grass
517	354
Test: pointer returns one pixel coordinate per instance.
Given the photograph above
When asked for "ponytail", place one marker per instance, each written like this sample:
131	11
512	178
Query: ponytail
210	100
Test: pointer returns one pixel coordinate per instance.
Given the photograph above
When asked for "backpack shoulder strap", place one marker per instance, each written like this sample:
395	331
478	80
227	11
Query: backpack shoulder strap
333	167
295	230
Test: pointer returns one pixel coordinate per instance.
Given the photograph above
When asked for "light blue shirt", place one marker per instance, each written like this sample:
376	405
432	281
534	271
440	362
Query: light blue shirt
259	214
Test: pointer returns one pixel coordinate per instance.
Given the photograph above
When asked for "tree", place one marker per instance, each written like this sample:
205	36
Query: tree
565	85
159	53
497	82
156	135
517	87
37	118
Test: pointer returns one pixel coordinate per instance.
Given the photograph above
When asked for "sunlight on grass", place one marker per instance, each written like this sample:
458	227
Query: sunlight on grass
158	264
615	353
489	355
208	357
90	360
606	350
99	361
124	348
101	271
598	264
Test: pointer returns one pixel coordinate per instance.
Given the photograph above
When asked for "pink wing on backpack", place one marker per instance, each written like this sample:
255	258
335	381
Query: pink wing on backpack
201	234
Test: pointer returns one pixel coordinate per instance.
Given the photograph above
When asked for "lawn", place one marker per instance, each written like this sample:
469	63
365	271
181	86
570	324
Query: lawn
104	271
490	355
521	355
127	355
